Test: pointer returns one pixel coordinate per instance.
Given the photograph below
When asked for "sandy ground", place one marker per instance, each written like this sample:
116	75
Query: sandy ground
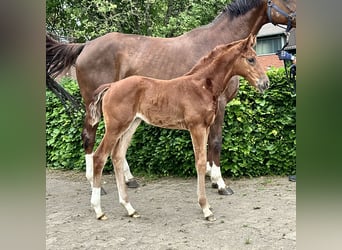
260	215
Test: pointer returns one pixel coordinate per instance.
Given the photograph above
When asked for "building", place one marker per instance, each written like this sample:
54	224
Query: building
270	39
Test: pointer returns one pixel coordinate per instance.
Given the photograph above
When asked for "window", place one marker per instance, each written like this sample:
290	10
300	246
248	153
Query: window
269	45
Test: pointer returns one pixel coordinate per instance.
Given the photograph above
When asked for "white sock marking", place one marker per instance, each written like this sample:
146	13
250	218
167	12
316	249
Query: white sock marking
127	205
208	170
216	176
96	201
89	168
127	172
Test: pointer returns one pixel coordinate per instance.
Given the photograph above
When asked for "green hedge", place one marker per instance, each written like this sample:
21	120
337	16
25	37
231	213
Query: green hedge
259	136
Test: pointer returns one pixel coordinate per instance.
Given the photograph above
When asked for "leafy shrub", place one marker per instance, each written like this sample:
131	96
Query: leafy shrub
259	136
63	131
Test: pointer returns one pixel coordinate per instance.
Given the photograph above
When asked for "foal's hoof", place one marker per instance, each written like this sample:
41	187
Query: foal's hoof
135	215
225	191
210	218
103	217
132	183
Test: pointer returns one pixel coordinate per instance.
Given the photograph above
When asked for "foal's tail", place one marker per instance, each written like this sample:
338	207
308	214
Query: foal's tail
95	105
60	56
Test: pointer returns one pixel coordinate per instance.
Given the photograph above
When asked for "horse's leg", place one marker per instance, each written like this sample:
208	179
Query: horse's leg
118	158
199	136
214	152
129	179
88	138
100	157
215	139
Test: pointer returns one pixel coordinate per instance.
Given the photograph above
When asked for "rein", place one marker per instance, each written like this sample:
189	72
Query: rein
291	76
290	17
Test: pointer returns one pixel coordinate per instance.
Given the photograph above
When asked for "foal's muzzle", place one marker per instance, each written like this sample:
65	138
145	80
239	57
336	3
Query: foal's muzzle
263	84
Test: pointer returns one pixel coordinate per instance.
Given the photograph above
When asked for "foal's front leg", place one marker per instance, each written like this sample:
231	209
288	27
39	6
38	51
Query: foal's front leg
199	138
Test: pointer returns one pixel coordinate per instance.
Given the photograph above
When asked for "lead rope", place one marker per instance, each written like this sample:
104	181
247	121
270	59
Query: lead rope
289	78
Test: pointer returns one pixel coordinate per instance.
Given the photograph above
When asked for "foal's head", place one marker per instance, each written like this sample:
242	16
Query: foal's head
247	65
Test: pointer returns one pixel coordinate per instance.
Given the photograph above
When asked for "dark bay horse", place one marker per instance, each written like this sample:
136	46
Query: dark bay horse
115	56
189	102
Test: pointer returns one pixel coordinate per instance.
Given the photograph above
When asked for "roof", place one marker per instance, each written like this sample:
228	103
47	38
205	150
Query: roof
292	40
269	30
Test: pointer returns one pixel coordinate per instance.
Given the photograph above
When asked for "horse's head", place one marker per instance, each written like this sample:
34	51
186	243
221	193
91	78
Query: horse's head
282	12
249	67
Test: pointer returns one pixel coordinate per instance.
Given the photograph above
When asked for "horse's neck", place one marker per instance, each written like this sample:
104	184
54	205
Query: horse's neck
225	29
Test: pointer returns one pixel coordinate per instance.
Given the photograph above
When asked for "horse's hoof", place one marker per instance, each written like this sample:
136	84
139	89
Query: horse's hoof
135	215
132	183
210	218
103	217
214	185
103	192
292	178
226	191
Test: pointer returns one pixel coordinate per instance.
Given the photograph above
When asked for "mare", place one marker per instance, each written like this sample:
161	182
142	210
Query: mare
115	56
189	102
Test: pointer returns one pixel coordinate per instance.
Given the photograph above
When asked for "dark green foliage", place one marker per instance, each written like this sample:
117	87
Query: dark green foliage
260	130
259	136
63	131
83	20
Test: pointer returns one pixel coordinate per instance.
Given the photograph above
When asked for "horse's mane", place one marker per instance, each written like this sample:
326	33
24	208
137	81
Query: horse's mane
211	57
240	7
237	8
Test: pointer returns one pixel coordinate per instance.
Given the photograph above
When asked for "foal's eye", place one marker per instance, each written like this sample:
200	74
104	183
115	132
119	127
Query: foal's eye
251	60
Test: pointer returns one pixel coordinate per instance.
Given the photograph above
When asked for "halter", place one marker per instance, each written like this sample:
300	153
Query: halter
289	17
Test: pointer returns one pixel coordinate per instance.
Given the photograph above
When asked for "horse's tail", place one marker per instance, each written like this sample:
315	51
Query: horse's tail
60	56
96	103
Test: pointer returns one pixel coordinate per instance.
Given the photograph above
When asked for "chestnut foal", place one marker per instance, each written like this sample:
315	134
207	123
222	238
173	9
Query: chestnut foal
189	102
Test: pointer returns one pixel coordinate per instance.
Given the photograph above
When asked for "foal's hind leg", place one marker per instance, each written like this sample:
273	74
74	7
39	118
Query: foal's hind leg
88	138
118	159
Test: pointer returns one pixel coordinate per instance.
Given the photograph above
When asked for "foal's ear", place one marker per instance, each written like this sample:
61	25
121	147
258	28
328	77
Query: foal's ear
251	41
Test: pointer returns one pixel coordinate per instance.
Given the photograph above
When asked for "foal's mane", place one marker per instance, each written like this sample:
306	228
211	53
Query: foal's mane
206	61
